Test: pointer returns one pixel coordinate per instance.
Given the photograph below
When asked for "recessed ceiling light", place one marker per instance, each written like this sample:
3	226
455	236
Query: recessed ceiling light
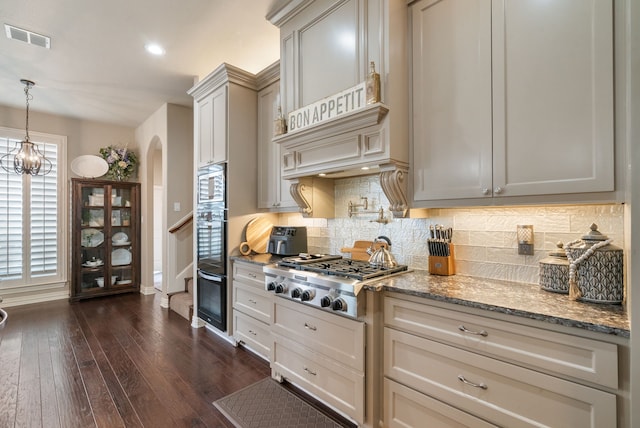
154	49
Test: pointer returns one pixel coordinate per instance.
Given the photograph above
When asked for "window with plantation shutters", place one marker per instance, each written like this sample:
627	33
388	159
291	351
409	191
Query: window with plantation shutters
32	215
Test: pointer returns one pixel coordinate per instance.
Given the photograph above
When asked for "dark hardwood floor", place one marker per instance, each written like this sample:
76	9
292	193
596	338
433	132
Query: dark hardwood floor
120	361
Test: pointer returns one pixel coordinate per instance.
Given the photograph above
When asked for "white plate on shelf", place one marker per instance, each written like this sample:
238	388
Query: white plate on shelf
87	264
89	166
120	238
123	282
120	257
91	237
121	244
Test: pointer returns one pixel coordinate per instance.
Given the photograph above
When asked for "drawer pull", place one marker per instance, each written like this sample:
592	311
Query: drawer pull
309	371
475	385
464	329
252	301
253	332
253	275
310	327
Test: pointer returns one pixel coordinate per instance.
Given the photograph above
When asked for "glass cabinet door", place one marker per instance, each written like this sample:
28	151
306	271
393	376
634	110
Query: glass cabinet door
92	238
122	234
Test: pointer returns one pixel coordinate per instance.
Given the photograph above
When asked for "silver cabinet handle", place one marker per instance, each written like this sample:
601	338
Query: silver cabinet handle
310	327
310	372
498	190
475	385
253	275
252	301
464	329
253	332
485	191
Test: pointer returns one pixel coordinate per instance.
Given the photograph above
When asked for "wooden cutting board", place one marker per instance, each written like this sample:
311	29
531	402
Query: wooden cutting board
257	235
359	249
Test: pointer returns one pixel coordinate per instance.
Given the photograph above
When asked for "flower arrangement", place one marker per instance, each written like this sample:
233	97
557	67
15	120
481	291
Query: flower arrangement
122	162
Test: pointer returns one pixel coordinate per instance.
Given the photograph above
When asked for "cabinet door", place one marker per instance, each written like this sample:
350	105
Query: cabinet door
553	97
204	129
273	190
211	127
451	99
220	102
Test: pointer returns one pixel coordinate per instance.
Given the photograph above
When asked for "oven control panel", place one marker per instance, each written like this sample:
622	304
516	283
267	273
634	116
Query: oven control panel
308	290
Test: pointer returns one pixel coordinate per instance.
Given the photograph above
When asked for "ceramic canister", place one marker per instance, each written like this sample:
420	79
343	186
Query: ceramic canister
554	271
600	276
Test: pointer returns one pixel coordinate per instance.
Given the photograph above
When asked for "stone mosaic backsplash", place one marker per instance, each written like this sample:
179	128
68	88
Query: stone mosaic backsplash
485	238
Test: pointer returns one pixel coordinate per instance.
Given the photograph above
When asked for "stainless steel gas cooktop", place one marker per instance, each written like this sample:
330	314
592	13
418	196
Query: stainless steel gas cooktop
327	282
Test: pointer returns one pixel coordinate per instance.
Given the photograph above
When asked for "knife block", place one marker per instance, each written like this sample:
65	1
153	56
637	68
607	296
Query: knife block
443	265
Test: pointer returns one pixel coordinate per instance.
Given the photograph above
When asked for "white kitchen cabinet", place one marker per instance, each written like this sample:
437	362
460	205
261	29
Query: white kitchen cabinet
511	98
405	407
460	366
323	353
273	190
224	111
252	308
350	34
211	126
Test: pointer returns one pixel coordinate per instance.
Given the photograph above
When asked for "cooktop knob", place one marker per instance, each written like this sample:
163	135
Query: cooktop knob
296	292
326	301
281	288
339	305
307	295
271	286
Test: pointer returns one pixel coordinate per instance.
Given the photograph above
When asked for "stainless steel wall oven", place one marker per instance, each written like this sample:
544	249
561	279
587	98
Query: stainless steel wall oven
211	232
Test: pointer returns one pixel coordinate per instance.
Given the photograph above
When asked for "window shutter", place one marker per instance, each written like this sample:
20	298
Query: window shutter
44	217
11	214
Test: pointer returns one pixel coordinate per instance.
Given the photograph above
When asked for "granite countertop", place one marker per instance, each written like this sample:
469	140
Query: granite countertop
512	298
258	259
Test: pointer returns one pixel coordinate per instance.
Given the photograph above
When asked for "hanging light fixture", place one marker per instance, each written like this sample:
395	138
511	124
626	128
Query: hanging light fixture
28	159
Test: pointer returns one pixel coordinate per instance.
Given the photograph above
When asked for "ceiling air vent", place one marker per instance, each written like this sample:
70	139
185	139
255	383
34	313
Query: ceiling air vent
27	36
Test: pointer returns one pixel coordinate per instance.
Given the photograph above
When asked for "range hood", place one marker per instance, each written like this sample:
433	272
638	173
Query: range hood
354	144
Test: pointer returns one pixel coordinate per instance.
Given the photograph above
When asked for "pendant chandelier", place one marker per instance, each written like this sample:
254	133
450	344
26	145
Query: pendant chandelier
28	159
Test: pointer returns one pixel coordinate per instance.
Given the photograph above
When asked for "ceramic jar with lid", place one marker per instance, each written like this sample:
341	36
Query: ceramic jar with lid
599	274
554	271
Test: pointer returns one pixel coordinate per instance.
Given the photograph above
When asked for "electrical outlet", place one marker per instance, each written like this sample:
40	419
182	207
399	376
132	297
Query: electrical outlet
525	240
176	206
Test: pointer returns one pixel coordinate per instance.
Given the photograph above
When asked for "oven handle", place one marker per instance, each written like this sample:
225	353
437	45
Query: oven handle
209	277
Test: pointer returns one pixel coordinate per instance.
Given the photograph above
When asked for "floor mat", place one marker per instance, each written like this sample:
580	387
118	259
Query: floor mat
267	404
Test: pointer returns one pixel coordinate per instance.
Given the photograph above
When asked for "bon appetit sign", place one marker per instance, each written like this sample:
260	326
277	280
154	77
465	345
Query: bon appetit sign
329	108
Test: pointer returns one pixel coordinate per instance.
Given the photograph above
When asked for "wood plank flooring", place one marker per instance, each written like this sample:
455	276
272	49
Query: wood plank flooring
120	361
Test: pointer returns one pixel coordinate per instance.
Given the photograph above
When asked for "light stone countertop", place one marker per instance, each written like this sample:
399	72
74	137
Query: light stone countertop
512	298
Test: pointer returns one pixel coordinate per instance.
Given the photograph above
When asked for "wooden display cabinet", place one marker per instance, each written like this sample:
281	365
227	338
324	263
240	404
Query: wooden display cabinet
105	249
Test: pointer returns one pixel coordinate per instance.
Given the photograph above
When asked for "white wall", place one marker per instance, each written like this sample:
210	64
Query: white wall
171	129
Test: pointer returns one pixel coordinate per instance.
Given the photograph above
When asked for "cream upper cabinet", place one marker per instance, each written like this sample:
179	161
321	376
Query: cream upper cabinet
211	127
273	191
511	98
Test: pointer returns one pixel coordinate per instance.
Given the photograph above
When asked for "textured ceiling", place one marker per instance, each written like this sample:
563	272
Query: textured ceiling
97	68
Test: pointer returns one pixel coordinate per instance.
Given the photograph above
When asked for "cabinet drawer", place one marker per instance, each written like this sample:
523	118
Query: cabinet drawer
502	393
249	274
336	385
562	354
405	407
253	333
332	335
253	302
